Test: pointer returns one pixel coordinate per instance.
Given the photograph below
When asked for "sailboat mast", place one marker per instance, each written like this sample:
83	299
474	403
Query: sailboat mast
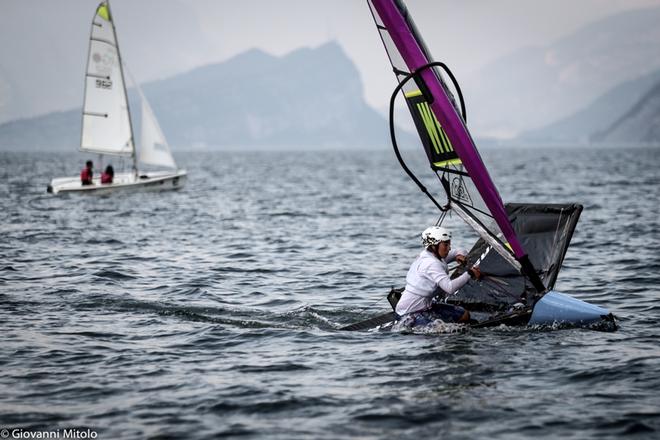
123	80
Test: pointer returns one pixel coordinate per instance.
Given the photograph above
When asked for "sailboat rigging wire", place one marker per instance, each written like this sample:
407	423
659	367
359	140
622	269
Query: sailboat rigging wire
453	80
458	90
395	146
371	305
441	219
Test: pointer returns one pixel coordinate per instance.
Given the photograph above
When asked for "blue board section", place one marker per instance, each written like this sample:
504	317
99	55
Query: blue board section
559	307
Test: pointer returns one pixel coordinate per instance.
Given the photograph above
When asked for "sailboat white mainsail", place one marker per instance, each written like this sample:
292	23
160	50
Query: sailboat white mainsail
106	123
106	120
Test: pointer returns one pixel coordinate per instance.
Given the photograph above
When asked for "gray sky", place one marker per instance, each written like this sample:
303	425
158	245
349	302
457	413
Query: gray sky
46	41
464	34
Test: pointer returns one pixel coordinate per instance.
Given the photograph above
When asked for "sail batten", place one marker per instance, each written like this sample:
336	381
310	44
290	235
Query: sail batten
101	40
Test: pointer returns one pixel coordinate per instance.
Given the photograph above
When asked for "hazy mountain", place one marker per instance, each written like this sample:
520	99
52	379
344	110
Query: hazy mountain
309	98
536	86
599	116
639	125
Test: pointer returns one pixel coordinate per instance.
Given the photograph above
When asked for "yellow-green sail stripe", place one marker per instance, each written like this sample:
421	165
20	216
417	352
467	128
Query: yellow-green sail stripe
446	163
430	124
413	94
446	140
103	12
439	138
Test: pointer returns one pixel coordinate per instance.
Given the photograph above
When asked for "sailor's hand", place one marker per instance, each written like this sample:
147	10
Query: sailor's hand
461	259
475	272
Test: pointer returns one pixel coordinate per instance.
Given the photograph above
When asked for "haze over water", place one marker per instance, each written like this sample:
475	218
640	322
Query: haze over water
214	310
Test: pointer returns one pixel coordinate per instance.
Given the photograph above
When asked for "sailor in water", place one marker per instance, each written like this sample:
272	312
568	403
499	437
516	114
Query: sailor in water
429	276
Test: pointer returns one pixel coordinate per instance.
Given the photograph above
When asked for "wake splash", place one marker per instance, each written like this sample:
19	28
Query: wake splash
437	326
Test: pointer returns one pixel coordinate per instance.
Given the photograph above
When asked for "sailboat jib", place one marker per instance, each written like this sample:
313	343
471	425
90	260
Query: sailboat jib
153	147
447	142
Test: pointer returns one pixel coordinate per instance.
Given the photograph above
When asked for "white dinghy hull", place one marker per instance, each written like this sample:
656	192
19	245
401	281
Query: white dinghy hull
149	181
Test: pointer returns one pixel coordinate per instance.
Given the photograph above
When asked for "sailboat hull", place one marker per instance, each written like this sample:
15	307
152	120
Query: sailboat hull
150	181
555	309
559	308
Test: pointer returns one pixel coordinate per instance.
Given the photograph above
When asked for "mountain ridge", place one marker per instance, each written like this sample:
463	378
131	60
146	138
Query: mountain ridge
585	125
310	97
639	125
533	87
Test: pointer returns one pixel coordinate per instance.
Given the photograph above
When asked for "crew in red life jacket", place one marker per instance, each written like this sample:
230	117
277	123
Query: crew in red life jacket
108	175
87	173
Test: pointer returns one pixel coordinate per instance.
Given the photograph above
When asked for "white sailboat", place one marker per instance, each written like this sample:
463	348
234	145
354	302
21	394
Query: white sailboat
106	122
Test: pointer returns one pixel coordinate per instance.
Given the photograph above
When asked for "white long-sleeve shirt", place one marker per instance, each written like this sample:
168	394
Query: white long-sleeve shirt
425	276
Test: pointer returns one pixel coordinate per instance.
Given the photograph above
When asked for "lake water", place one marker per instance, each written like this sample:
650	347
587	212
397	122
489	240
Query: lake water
214	311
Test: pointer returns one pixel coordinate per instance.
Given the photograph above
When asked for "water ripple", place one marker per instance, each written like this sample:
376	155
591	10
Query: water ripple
214	311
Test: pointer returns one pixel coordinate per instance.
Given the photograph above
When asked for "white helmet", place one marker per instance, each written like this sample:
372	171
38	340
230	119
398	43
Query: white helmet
434	235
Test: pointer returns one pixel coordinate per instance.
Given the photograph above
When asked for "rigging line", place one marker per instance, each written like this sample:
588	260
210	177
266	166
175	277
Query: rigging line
453	80
392	129
496	285
465	204
442	218
395	145
451	170
554	238
370	305
496	281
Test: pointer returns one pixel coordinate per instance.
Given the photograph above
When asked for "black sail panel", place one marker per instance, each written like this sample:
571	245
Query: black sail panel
546	231
437	145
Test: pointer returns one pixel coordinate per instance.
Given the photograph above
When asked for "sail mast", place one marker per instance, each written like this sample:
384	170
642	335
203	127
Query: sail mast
123	80
391	13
